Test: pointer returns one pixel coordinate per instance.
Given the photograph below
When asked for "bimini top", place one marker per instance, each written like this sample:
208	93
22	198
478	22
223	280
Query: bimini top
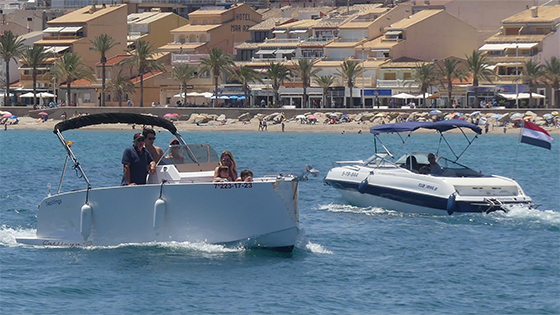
113	118
441	126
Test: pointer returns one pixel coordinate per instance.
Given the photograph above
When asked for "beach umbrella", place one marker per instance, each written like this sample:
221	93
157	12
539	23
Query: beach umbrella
43	114
242	97
496	116
516	116
555	113
171	115
301	117
45	94
314	117
28	94
13	117
345	115
476	113
207	94
403	96
5	113
224	97
547	116
435	112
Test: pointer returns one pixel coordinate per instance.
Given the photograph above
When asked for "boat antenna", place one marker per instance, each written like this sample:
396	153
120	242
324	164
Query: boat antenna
517	148
77	165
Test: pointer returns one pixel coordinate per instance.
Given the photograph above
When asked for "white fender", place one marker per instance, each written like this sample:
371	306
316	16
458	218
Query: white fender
85	221
159	213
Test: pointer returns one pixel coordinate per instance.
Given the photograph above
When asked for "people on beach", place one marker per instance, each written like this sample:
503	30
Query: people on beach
137	162
150	137
226	159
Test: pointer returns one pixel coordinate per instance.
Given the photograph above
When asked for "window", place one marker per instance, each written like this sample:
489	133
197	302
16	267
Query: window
87	97
390	76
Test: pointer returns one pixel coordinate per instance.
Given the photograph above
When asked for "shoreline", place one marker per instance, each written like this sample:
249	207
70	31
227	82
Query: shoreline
29	123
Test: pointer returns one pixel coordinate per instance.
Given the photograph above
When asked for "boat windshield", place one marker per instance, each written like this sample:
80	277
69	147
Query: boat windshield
449	167
379	160
189	154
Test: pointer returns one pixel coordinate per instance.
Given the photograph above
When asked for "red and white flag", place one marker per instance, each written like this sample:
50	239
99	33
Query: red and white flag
535	135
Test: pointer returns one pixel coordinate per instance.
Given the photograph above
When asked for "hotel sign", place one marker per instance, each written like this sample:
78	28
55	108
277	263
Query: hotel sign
241	27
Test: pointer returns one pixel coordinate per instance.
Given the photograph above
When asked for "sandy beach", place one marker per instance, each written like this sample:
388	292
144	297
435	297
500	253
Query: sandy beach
238	126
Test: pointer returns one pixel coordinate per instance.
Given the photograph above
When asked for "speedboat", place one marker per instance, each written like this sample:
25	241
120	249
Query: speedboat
405	184
181	202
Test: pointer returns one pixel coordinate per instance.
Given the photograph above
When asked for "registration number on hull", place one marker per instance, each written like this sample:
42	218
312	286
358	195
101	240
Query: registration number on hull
233	185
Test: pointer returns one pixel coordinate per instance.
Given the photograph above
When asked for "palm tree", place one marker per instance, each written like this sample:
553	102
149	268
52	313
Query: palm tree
448	71
425	75
216	63
142	58
11	47
103	43
304	69
246	75
183	73
324	82
71	67
34	57
552	74
478	67
348	71
121	85
278	73
532	73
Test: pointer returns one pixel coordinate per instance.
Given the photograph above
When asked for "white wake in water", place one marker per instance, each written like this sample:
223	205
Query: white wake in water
8	235
358	210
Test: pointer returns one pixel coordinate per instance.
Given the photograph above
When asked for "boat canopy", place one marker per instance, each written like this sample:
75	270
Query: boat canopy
440	126
113	118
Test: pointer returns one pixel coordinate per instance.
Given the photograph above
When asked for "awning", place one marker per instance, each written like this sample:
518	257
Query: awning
493	47
393	33
53	29
278	31
524	45
504	46
71	29
298	31
55	49
381	49
285	51
265	52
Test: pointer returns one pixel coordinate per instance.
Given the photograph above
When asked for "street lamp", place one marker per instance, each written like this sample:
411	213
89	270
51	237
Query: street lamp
517	73
363	70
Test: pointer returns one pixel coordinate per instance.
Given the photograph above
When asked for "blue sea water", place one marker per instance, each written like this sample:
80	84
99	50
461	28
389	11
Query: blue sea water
348	260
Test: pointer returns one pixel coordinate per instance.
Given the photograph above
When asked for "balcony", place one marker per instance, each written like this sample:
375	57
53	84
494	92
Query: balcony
397	84
187	58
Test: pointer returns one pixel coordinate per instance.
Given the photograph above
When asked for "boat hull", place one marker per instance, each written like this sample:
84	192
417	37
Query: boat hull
259	214
405	191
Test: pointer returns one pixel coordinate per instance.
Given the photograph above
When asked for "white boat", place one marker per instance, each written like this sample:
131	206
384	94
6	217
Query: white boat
180	203
398	184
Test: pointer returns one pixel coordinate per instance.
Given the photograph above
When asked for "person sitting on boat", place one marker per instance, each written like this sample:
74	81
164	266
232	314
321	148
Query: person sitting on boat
150	137
137	161
174	156
245	176
223	173
226	159
435	169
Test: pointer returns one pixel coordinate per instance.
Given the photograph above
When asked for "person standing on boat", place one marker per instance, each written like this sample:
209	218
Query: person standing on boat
435	169
137	161
226	159
150	137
